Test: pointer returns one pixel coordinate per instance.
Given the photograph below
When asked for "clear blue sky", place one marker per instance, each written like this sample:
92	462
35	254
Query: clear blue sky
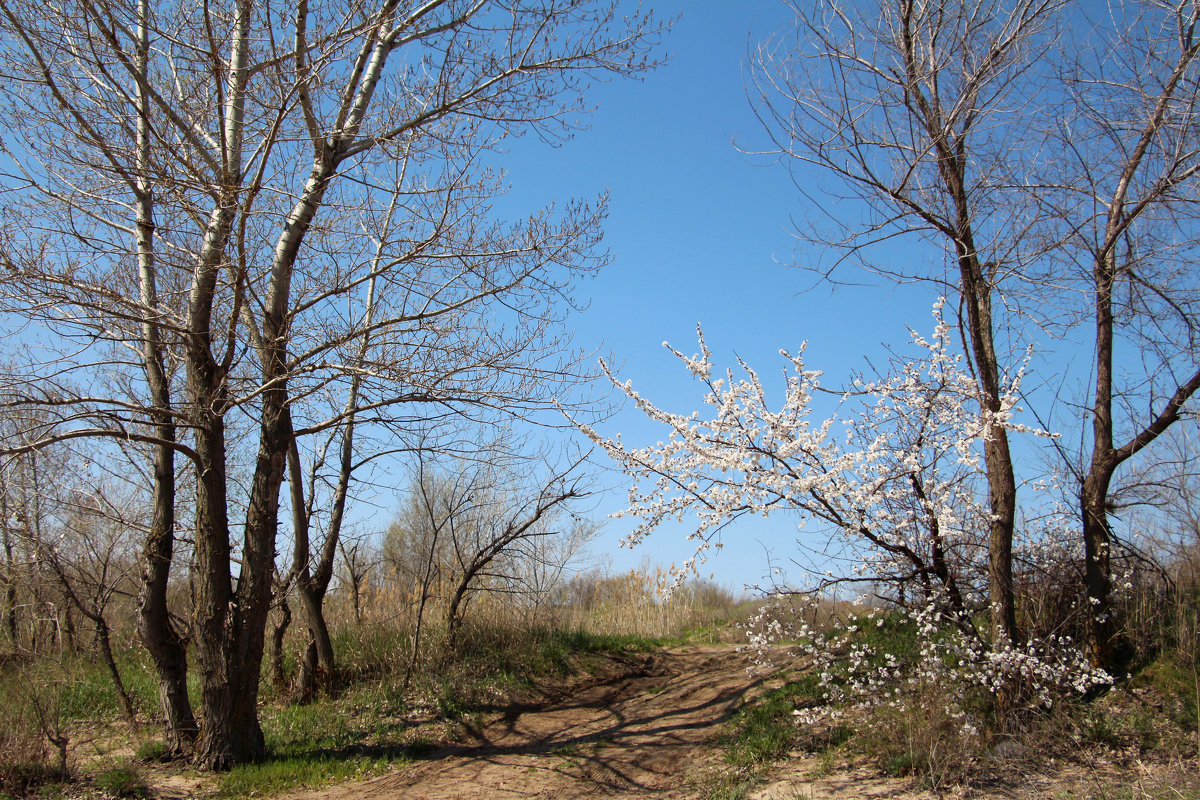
700	233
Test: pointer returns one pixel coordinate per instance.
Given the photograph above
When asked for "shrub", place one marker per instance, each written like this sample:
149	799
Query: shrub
25	756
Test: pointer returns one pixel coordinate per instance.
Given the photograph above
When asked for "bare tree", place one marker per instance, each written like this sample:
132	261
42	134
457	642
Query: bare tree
189	188
1124	202
490	538
358	562
92	556
899	103
1047	168
472	526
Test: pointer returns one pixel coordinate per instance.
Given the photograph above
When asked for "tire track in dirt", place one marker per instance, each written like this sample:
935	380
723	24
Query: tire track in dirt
646	729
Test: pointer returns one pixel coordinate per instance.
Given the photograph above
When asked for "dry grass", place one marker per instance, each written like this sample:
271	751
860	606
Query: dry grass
508	640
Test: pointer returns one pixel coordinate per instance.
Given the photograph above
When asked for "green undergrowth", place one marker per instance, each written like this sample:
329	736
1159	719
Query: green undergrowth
1147	726
764	731
280	774
81	687
375	724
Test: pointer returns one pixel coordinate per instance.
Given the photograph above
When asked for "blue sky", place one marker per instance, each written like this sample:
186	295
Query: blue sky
700	232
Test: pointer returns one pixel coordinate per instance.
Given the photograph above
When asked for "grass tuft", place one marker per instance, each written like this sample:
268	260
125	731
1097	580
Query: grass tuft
277	775
122	781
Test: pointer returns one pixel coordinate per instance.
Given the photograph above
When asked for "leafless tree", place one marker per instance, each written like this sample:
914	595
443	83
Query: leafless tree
898	103
75	532
1055	171
92	556
189	189
1123	200
491	537
359	561
472	527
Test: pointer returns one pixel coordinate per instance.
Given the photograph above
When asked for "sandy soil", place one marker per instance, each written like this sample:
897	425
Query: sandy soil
644	727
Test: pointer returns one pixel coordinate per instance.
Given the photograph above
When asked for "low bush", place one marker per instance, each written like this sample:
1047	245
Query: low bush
26	756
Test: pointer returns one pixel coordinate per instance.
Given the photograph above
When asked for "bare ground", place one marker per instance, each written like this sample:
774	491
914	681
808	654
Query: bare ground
644	726
647	725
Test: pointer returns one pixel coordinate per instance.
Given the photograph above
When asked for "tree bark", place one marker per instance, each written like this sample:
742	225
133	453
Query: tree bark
167	648
214	749
949	145
9	575
278	631
317	665
103	639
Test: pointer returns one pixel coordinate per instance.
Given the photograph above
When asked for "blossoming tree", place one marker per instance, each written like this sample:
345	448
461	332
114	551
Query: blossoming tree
895	474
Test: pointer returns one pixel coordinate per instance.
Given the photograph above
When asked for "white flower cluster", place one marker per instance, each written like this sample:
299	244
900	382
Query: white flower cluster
938	660
896	475
894	472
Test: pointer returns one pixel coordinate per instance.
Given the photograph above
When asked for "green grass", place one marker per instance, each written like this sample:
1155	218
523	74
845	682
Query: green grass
281	774
318	743
83	690
1172	680
764	730
122	781
729	786
362	732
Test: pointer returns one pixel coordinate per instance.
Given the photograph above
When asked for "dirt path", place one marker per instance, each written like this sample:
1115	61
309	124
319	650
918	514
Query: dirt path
644	728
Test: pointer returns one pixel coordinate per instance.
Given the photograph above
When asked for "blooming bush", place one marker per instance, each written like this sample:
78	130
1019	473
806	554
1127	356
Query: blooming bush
895	477
895	656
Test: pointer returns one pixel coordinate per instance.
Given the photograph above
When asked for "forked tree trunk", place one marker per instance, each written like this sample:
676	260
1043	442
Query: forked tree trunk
1103	615
318	666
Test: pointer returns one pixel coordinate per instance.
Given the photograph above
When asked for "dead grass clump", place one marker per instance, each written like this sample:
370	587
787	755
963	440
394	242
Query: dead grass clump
26	759
644	602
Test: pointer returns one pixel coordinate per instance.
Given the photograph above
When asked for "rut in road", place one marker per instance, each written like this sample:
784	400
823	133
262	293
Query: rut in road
645	729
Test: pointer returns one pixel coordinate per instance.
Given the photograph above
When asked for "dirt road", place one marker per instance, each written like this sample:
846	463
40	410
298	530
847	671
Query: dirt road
644	727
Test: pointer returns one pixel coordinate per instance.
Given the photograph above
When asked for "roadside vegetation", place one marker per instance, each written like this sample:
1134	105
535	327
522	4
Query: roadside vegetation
1136	739
63	732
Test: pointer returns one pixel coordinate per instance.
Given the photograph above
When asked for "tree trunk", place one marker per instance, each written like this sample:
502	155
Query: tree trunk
355	598
976	289
10	610
319	665
10	569
167	648
454	615
67	623
976	286
1002	494
278	631
1101	624
252	601
104	641
214	594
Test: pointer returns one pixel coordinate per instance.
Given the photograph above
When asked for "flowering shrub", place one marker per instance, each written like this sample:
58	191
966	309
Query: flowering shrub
895	475
900	656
